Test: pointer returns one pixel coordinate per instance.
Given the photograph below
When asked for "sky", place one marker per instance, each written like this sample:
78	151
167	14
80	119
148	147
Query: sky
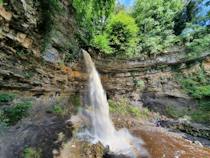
127	3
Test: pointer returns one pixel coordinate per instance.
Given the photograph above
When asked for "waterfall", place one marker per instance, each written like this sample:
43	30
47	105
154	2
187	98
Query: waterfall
100	127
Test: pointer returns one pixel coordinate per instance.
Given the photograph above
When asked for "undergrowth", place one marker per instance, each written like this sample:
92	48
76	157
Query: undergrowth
58	110
123	107
30	152
197	85
6	97
11	115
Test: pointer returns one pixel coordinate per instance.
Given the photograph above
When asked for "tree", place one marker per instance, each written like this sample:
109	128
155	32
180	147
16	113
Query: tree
155	20
122	31
119	37
195	12
92	15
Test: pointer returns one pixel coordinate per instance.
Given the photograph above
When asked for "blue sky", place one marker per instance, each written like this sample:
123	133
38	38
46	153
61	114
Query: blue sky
127	3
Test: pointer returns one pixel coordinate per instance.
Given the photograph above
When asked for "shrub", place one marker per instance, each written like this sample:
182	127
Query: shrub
198	46
32	153
16	113
59	110
102	42
6	97
197	86
201	91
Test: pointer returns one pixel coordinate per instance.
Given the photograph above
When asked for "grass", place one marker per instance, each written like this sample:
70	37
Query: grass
11	115
6	97
32	153
123	107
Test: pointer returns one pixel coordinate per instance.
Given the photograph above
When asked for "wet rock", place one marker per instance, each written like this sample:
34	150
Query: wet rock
81	149
112	155
193	129
160	103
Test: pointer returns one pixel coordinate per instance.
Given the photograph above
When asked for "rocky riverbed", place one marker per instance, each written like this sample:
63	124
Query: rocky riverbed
158	141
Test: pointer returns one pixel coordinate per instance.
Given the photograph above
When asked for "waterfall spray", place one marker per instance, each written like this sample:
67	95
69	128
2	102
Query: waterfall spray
100	126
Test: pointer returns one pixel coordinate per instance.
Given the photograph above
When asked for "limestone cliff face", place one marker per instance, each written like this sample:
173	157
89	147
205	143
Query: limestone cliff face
152	82
35	44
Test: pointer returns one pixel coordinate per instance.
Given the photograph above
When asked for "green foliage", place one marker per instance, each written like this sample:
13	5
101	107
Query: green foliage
102	42
3	118
198	46
175	113
1	2
32	153
203	113
202	91
58	110
122	31
123	107
156	22
6	97
120	36
197	85
138	83
55	5
92	15
11	115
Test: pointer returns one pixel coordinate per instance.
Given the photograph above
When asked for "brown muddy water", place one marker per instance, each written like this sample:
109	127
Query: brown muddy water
163	144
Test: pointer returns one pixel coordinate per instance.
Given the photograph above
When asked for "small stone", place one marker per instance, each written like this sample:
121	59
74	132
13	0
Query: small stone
198	143
55	152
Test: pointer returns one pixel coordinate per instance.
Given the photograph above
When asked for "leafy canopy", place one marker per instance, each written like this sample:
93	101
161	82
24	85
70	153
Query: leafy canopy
156	22
119	37
93	14
122	31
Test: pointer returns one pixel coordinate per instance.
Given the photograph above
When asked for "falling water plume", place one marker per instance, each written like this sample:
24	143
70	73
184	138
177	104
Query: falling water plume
100	126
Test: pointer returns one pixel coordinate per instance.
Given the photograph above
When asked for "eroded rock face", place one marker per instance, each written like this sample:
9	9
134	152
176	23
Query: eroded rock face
31	50
31	60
